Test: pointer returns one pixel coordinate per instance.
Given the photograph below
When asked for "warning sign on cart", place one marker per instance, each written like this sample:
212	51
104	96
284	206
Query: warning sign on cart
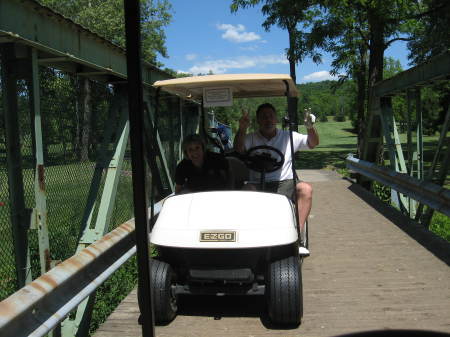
217	97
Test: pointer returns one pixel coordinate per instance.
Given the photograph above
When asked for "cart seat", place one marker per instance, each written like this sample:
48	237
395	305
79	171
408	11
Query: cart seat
237	173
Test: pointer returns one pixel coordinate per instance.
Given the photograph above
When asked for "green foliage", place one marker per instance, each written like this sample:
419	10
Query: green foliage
357	33
106	18
63	116
391	67
340	116
430	32
382	192
435	104
440	224
327	98
113	291
231	115
399	108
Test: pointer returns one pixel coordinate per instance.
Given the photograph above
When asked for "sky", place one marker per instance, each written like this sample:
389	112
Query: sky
204	35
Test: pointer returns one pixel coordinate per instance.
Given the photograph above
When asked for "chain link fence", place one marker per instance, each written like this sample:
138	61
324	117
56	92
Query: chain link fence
7	261
71	137
76	113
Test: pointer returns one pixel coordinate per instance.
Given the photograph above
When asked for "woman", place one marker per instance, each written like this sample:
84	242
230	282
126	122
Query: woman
201	170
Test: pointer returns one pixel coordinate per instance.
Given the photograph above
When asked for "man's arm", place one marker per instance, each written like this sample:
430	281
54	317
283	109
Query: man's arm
239	140
313	136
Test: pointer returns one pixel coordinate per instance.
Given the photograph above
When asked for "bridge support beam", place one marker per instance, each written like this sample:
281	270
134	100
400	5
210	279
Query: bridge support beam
20	216
111	163
39	217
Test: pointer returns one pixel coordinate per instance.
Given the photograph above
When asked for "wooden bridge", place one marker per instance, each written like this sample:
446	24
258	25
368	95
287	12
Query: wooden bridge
370	268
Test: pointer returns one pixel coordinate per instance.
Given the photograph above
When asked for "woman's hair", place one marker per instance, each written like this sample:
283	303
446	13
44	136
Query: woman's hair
192	139
263	106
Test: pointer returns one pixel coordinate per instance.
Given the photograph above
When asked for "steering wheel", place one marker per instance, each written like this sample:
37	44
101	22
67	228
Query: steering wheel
264	162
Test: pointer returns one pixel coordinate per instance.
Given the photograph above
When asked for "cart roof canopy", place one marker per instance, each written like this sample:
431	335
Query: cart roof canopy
242	85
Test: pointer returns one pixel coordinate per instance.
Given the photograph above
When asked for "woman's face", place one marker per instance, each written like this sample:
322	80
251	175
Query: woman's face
195	153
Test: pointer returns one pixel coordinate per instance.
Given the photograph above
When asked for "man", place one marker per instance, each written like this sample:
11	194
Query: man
280	181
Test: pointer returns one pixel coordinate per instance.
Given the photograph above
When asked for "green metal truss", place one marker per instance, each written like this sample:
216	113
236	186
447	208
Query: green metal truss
381	124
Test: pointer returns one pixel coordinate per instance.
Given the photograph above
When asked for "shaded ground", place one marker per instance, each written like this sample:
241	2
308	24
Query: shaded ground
322	159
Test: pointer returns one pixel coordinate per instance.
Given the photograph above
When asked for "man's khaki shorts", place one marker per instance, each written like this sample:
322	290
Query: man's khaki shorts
285	187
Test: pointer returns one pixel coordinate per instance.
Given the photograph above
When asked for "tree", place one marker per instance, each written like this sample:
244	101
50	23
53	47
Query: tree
343	32
431	37
288	15
367	28
399	107
106	18
430	34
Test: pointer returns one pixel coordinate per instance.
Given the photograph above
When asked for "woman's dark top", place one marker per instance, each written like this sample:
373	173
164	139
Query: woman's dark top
211	176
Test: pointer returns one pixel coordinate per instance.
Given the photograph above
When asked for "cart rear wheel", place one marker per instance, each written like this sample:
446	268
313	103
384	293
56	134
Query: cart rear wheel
284	291
164	299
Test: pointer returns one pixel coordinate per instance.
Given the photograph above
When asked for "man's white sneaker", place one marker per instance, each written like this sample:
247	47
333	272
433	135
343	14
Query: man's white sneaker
303	251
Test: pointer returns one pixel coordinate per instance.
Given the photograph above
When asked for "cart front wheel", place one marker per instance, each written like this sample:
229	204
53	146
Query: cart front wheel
164	299
284	291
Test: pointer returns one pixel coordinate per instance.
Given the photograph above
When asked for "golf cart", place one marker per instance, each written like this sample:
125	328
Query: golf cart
232	242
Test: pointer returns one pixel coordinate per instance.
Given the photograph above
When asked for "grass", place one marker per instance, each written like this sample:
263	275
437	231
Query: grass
336	142
440	224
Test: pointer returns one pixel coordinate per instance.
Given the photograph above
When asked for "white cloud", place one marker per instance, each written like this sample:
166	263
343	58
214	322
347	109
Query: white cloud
319	76
191	57
237	33
243	62
182	72
250	48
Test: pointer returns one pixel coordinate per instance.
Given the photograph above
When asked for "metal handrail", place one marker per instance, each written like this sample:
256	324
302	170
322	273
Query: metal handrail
428	193
37	308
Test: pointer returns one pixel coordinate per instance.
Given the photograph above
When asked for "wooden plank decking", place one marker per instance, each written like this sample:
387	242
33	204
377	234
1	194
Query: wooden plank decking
369	269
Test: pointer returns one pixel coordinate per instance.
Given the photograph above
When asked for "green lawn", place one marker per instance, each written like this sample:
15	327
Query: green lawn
336	142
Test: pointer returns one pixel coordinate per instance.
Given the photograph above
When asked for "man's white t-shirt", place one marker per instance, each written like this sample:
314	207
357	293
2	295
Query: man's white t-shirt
281	141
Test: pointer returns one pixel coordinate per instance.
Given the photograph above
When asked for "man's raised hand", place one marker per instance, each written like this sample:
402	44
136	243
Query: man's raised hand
244	121
309	118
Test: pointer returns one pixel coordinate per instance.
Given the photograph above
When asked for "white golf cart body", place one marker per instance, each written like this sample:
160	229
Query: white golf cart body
232	241
225	220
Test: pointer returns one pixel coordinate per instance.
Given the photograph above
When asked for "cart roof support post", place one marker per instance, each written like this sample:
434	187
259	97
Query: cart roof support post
136	112
292	111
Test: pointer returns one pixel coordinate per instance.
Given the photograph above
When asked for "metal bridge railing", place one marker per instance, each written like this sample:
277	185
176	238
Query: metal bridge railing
428	193
38	307
409	156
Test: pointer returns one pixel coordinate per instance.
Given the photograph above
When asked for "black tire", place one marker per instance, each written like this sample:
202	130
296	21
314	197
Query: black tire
284	291
164	300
